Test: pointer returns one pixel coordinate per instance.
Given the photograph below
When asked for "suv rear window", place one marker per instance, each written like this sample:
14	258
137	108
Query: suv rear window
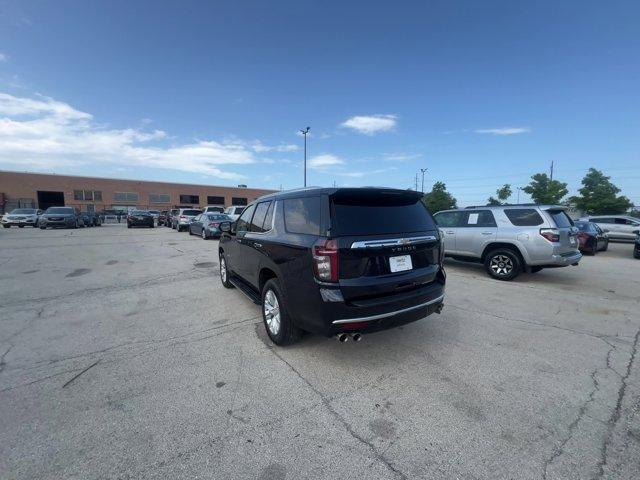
376	215
302	215
191	212
523	217
561	218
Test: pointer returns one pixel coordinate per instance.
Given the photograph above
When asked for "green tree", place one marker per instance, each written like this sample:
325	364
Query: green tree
503	195
599	196
438	198
635	213
544	190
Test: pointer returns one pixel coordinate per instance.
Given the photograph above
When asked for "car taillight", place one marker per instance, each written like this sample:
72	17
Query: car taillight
214	224
325	256
183	216
551	234
583	235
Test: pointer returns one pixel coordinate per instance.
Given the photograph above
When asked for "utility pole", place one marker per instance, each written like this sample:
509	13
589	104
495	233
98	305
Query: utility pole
305	132
519	188
551	169
416	182
423	170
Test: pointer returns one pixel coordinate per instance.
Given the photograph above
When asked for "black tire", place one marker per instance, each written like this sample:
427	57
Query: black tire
287	332
594	248
76	225
6	226
224	273
151	226
43	227
128	225
190	231
536	269
606	246
20	226
503	264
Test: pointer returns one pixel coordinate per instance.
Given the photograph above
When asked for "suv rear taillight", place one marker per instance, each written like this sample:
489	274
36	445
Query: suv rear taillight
183	216
214	224
325	260
551	234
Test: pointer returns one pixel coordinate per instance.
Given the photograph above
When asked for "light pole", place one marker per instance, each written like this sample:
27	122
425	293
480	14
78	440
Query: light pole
519	188
305	132
423	170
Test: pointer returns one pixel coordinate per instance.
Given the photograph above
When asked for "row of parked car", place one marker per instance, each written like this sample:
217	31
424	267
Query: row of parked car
67	217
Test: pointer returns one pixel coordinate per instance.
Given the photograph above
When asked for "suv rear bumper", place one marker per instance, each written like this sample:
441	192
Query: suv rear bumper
375	313
558	260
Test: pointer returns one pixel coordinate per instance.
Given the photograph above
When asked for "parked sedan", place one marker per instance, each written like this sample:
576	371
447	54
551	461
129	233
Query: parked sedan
591	237
87	219
207	225
162	218
21	217
61	217
140	218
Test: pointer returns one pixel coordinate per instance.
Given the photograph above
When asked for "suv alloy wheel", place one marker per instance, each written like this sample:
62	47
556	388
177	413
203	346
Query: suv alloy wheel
204	234
503	264
277	321
224	273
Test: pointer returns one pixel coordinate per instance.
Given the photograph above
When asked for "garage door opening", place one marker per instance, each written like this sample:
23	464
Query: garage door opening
50	199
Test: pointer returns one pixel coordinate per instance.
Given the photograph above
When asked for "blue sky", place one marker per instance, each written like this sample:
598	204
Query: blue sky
480	93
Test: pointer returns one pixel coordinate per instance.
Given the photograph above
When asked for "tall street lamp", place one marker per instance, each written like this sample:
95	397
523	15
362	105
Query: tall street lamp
305	132
423	170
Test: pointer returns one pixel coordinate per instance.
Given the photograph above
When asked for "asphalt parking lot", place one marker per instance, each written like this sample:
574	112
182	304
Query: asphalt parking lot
122	357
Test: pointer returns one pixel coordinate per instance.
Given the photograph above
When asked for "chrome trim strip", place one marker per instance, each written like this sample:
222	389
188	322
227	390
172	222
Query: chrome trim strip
390	314
392	241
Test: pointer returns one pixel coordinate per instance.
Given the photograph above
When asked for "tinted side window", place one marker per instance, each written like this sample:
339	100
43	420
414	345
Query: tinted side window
268	219
242	225
482	218
447	219
603	220
258	217
523	217
302	215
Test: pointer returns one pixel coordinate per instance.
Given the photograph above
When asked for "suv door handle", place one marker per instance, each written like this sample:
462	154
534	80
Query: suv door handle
449	232
257	245
487	233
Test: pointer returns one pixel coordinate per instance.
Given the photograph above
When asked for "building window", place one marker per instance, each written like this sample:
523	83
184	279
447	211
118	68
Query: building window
190	199
211	200
159	198
125	197
88	195
238	201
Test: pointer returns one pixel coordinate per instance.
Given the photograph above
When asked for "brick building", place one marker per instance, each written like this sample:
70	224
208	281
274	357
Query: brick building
18	189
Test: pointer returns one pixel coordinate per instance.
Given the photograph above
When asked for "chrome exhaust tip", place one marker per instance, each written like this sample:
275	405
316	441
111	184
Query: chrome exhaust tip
342	337
356	337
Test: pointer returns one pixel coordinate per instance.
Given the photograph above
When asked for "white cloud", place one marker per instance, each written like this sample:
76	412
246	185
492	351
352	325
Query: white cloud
3	57
44	133
401	157
504	130
371	124
260	147
367	173
323	161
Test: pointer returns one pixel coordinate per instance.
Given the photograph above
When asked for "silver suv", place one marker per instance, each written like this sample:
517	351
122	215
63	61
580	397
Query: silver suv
510	239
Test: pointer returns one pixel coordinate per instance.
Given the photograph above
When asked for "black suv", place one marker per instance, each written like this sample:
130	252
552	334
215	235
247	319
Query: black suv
335	261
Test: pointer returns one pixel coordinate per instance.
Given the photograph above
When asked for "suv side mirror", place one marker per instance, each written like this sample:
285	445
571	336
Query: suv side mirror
225	227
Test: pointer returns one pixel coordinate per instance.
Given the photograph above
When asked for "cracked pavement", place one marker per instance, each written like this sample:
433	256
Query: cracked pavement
122	357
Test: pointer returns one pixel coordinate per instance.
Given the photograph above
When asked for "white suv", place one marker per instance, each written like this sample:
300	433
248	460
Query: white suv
234	212
509	239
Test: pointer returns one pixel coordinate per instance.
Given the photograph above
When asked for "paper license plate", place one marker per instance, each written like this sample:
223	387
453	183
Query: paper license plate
400	264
